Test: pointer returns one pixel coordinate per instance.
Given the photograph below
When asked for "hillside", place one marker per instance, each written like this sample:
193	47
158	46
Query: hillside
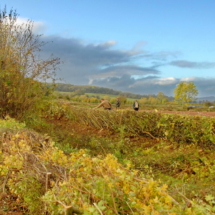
208	98
83	89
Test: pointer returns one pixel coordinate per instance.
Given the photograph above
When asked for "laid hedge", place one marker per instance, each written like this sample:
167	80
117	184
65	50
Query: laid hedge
174	127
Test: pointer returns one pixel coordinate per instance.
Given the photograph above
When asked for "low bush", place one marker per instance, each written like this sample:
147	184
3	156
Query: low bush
45	180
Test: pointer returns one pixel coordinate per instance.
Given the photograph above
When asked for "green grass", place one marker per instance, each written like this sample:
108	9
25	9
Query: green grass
104	95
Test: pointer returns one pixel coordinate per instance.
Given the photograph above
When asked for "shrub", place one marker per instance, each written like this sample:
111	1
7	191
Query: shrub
47	181
22	72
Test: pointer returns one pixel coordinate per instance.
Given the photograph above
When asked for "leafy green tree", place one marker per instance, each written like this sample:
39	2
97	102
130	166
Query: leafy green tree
83	98
185	92
152	100
94	100
106	98
122	99
143	100
162	99
112	100
22	73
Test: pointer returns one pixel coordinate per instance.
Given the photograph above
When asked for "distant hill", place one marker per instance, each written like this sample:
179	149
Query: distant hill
82	89
209	98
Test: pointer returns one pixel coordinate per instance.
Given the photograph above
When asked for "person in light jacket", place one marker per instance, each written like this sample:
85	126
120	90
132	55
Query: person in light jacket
136	105
105	104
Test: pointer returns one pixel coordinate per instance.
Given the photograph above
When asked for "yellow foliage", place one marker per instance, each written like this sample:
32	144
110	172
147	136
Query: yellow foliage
79	181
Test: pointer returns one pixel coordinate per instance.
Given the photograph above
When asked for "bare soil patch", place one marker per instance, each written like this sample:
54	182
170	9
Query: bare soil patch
9	205
193	113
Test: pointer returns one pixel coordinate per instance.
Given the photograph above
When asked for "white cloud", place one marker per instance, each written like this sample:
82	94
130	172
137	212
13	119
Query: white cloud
166	81
192	65
188	79
108	43
38	27
152	81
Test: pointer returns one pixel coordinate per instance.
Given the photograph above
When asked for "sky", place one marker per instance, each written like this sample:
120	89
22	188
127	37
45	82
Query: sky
142	46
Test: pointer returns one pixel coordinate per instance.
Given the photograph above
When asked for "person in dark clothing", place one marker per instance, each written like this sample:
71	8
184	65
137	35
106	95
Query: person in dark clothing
117	103
136	105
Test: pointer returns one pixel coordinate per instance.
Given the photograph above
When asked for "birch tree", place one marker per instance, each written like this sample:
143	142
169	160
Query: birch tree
185	92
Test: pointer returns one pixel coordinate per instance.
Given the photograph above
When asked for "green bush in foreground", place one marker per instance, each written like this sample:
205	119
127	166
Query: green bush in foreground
46	180
10	123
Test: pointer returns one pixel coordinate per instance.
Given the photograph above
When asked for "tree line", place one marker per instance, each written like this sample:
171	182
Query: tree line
83	89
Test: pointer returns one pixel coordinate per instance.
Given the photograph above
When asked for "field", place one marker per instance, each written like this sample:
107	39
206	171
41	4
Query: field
161	160
97	95
100	95
190	113
106	95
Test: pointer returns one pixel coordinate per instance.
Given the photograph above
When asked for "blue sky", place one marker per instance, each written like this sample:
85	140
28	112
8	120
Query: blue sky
141	46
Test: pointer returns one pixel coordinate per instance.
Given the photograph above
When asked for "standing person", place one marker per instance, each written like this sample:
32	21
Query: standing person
117	103
105	104
136	105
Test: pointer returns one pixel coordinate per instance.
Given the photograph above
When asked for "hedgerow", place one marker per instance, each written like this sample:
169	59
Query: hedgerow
177	128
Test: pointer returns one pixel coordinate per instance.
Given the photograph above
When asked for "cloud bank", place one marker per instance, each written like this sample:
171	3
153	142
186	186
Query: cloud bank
103	65
193	65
